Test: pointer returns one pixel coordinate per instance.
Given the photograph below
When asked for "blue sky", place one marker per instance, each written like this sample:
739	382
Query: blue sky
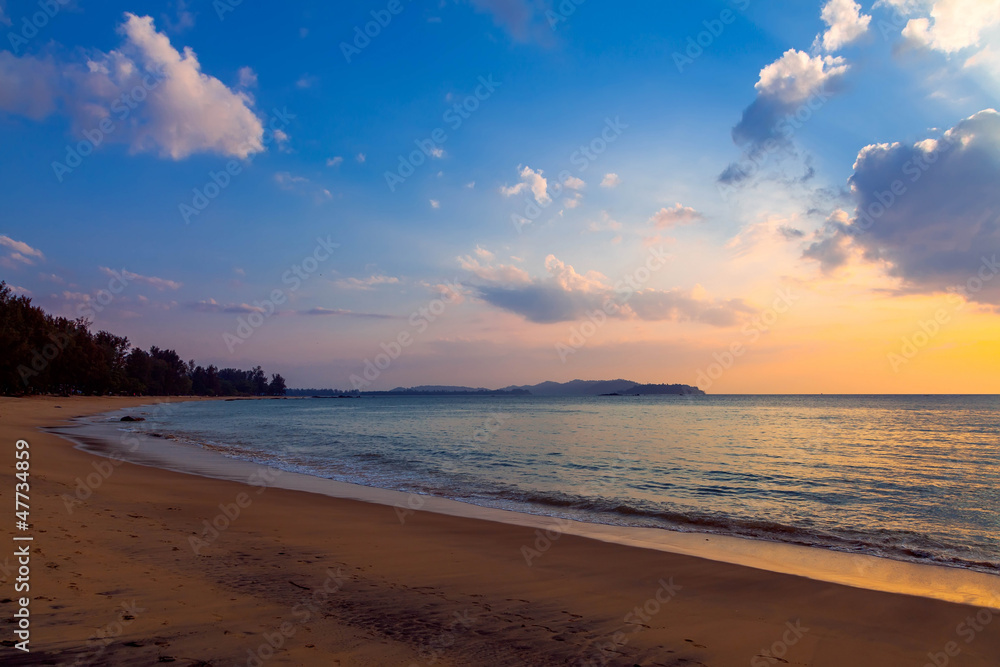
532	233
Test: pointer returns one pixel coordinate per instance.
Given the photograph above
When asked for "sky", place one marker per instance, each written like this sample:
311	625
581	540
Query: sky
750	197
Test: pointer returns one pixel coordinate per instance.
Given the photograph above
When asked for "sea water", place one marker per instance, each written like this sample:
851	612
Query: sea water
906	477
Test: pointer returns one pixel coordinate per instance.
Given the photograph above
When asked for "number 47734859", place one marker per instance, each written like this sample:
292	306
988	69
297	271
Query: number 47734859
21	488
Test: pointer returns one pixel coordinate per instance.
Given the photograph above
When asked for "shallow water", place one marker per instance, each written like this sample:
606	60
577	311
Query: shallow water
910	478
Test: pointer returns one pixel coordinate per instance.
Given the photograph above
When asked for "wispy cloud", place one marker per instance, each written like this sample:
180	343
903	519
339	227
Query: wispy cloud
22	252
159	283
247	77
213	306
368	283
182	18
605	224
287	181
300	184
339	312
306	81
524	20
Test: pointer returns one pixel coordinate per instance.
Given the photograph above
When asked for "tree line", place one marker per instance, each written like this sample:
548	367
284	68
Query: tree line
324	392
41	353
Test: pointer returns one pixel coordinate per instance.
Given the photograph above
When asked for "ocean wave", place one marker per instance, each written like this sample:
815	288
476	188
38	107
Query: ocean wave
897	545
598	502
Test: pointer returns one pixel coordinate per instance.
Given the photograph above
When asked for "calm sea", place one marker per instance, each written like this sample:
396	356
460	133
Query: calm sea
906	477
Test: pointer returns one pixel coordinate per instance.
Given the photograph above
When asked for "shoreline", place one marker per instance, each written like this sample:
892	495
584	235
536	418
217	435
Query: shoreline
866	571
330	579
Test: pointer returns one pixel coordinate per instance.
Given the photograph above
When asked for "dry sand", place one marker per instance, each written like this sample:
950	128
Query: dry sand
114	580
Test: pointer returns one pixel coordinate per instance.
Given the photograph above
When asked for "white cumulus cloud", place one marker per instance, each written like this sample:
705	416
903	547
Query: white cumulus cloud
795	76
676	215
845	24
953	25
179	110
530	180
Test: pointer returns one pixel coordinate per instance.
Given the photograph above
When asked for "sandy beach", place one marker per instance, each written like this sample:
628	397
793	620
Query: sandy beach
293	578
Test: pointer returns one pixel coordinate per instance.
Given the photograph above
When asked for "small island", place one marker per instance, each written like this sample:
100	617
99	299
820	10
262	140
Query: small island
658	390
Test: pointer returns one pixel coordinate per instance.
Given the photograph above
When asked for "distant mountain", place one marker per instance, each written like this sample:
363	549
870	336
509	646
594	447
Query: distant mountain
577	387
605	387
434	390
437	389
572	388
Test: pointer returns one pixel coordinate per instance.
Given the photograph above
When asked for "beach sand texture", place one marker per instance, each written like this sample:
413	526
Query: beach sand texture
301	579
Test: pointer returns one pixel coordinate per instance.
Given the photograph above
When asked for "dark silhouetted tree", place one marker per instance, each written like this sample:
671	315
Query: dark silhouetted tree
40	353
277	386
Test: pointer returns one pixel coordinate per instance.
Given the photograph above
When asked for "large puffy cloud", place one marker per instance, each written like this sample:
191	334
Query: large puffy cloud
796	76
845	23
786	86
565	295
157	98
930	211
950	25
